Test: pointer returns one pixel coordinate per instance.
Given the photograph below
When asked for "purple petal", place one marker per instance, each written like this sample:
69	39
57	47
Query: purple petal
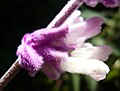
79	32
47	35
111	3
107	3
91	3
89	51
93	27
32	51
29	59
54	57
50	71
53	60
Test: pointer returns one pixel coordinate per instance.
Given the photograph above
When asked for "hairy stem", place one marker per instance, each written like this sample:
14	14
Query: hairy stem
67	10
7	77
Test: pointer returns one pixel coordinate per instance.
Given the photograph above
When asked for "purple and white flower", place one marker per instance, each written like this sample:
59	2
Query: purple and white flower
57	50
107	3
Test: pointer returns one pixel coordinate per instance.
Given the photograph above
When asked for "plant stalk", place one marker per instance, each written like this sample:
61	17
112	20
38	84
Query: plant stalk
7	77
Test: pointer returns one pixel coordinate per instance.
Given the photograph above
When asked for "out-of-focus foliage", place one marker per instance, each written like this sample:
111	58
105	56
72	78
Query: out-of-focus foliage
18	17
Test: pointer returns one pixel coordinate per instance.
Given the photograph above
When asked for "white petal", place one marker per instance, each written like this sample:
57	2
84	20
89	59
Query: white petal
92	27
75	33
89	34
80	42
87	45
88	51
86	29
94	68
83	52
73	18
102	52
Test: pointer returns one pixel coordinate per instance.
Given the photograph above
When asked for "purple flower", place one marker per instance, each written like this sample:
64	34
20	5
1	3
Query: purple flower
107	3
57	50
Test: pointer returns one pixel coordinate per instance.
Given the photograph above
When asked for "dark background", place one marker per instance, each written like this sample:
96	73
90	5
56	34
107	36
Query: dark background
18	17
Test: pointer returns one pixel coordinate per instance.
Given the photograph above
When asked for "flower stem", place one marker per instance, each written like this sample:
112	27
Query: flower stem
7	77
67	10
57	21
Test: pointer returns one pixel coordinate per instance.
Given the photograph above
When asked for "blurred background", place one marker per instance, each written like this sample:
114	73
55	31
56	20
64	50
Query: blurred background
18	17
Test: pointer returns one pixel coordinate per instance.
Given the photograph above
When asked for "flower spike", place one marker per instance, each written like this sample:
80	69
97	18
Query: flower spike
57	50
106	3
